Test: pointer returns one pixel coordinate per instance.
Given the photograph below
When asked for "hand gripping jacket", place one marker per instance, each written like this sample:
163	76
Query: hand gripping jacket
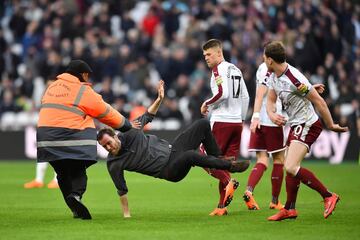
66	128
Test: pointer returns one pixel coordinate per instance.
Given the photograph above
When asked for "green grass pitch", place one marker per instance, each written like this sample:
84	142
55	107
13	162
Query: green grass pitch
163	210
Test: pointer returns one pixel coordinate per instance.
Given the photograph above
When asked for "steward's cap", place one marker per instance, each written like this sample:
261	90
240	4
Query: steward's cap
78	66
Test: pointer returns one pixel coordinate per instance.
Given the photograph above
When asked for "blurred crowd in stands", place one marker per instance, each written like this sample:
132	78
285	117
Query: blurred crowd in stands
130	45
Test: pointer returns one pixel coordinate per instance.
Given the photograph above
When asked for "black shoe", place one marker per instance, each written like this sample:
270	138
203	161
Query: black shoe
77	207
239	166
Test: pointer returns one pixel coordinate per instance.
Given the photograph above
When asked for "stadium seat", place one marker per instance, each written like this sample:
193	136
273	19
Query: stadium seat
172	124
7	121
156	124
24	119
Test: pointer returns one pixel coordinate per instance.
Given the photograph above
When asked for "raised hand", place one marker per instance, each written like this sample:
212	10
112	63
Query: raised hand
161	90
320	88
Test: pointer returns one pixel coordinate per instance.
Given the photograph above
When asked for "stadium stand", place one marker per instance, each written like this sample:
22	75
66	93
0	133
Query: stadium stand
131	44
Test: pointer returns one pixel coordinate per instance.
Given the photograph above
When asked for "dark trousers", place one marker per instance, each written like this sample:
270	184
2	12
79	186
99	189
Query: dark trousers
71	176
184	153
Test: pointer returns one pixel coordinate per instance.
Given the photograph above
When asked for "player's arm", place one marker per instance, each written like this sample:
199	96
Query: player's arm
323	110
271	109
358	125
320	88
222	93
255	119
245	99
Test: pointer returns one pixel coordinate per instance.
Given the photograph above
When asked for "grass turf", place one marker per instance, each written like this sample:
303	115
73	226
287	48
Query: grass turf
163	210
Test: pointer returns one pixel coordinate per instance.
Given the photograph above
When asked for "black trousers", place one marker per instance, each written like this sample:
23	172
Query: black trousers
71	176
184	153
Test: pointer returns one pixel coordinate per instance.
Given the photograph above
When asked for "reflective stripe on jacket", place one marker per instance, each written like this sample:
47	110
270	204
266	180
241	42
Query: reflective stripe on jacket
66	128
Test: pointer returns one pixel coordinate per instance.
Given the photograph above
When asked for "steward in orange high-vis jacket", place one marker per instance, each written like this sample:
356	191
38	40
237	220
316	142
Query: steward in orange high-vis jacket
66	134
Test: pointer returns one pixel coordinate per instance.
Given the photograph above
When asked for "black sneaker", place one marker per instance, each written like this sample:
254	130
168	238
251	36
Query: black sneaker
77	207
239	166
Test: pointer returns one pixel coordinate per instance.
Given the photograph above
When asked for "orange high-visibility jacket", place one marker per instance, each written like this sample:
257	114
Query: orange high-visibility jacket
66	128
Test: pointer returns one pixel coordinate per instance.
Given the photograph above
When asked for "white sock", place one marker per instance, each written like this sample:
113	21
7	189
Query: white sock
40	171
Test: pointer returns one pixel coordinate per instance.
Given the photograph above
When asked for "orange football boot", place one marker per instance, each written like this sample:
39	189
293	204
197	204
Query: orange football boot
284	214
330	204
229	191
33	184
250	201
277	206
219	212
53	184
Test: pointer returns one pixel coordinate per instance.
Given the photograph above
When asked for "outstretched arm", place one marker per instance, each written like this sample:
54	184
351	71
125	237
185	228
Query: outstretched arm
155	106
95	107
152	110
117	175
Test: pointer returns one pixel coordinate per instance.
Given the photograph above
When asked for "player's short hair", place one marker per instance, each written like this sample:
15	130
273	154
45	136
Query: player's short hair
212	43
276	50
103	131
